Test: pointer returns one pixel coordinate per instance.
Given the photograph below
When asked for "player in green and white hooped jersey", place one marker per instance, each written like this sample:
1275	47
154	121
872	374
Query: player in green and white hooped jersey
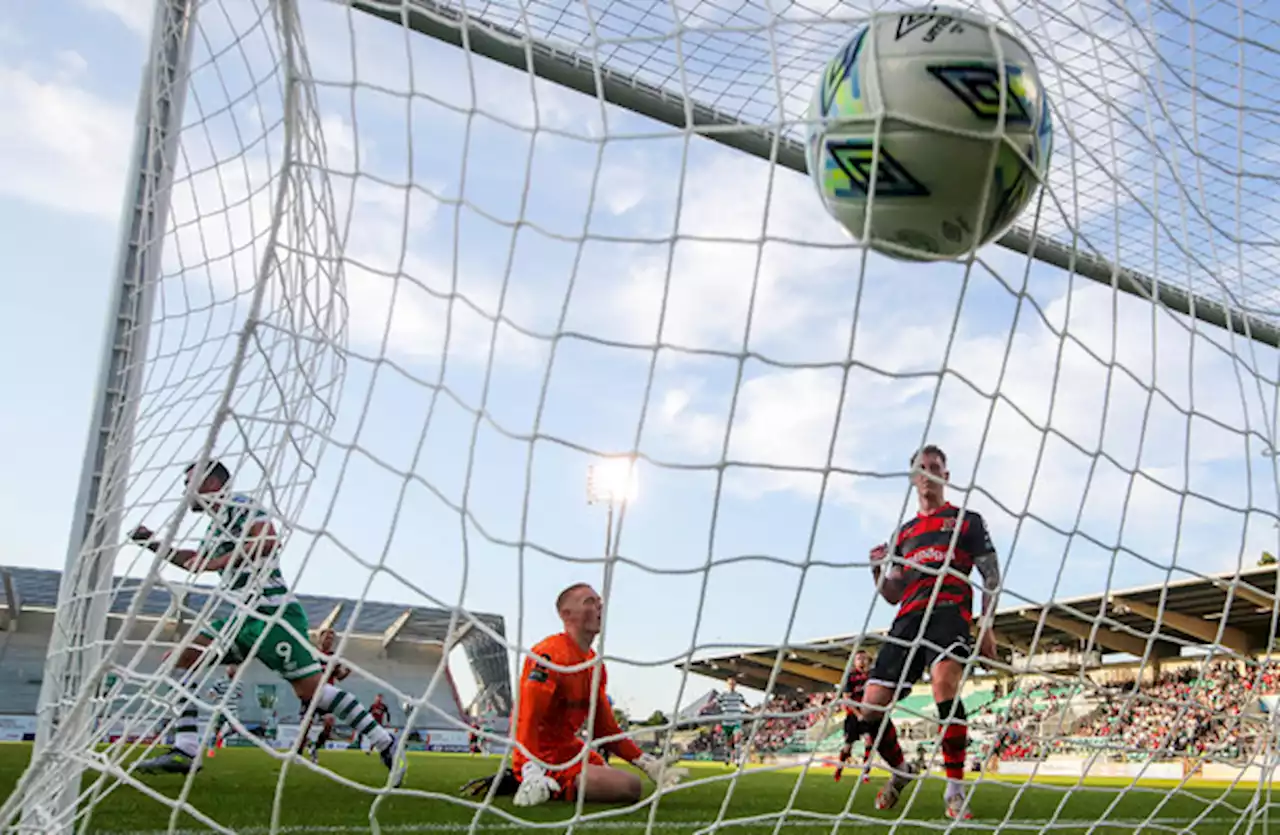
240	544
226	693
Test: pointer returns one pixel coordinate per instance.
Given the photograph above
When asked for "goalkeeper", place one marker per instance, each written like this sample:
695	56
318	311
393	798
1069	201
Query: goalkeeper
928	575
241	544
554	705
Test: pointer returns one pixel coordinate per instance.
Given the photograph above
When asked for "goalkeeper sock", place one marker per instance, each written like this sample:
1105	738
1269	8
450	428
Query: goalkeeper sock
185	733
348	710
955	738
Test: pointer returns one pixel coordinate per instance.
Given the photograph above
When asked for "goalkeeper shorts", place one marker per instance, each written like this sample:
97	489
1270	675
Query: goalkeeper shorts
280	649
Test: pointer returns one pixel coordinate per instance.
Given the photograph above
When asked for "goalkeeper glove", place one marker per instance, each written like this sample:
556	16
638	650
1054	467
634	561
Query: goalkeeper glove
507	784
660	771
535	786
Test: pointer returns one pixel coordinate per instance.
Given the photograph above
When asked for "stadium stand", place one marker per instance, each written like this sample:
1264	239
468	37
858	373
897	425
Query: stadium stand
1158	622
1069	682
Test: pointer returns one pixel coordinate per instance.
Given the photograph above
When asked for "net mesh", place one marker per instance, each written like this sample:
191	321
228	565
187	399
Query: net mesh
409	295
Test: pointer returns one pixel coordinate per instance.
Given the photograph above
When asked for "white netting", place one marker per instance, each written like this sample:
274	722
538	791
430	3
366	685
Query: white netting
408	295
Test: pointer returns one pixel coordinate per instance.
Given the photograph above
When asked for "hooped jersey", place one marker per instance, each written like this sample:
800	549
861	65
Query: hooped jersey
255	583
227	694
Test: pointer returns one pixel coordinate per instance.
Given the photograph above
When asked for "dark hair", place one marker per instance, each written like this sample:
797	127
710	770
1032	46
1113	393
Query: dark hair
862	652
214	468
929	449
562	596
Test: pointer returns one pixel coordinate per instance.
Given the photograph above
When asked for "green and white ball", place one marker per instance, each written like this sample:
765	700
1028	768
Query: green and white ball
953	162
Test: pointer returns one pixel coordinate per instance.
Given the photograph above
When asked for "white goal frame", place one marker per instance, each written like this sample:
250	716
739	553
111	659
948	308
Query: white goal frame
96	520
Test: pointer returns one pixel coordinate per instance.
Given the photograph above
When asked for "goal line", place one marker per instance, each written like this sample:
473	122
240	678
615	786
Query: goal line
694	827
446	23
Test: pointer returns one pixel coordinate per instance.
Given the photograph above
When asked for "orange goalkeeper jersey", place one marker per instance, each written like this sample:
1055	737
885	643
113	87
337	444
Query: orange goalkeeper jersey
554	706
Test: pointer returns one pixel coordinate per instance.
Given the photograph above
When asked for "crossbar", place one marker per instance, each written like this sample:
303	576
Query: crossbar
568	69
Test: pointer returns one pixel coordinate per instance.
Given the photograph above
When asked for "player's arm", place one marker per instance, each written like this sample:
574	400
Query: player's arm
893	583
538	683
987	562
181	557
606	726
660	771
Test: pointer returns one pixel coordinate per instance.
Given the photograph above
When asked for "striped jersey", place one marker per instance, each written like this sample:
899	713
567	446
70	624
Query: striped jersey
856	686
226	694
925	542
732	703
258	583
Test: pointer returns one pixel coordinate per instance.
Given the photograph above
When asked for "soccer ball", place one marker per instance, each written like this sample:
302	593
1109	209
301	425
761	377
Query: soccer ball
887	114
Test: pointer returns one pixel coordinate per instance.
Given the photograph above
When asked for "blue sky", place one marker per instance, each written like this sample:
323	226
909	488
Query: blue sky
778	563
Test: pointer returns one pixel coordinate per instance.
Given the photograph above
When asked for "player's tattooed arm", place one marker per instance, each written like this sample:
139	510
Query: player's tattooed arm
988	566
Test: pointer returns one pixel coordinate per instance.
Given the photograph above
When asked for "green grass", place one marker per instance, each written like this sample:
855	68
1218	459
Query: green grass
237	789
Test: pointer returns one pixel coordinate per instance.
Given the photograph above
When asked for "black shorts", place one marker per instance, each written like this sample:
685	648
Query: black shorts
852	726
914	645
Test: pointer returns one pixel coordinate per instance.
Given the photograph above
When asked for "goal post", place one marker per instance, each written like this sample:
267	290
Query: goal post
65	719
354	338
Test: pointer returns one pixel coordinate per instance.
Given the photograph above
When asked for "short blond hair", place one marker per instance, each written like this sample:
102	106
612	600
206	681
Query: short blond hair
563	596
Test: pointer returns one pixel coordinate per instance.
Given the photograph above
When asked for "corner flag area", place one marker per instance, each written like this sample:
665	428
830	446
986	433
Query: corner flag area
242	784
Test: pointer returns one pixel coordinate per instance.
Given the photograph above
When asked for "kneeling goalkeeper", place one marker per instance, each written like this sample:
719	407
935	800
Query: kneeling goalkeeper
555	704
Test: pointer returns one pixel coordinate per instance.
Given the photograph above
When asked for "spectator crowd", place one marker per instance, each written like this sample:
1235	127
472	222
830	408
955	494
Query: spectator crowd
1196	711
769	727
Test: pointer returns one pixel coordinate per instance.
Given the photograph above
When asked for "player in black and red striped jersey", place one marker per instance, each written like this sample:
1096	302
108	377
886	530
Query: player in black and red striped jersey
927	575
855	690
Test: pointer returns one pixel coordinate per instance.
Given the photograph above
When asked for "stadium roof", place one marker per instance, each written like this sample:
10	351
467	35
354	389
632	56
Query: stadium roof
1126	621
37	588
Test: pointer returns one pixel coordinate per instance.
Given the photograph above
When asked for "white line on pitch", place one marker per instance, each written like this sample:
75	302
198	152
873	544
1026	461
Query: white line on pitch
642	826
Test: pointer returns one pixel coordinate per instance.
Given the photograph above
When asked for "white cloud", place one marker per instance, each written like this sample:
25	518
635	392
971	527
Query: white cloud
788	418
674	402
64	147
134	14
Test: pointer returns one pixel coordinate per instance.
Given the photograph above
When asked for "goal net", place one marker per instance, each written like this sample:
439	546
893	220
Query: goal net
410	270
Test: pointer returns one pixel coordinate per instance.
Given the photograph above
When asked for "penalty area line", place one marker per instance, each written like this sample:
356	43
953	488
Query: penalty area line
1169	824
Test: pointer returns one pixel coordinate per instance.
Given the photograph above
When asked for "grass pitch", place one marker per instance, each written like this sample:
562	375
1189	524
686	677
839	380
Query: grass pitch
238	789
